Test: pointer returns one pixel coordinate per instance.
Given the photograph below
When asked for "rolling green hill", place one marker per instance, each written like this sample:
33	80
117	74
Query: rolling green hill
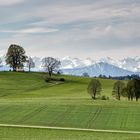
25	98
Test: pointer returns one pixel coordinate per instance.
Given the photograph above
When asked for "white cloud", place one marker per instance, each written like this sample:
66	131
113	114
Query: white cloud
77	29
10	2
62	14
31	31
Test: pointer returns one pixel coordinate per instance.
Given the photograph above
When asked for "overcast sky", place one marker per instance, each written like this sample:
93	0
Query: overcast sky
76	28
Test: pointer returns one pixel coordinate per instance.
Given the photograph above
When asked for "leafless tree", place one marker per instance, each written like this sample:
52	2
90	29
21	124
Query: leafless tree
50	64
30	63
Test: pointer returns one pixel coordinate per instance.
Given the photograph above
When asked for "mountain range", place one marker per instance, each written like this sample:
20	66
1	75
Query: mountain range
105	66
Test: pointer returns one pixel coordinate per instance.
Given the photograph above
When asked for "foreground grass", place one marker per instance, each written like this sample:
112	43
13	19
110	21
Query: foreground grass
26	99
9	133
97	116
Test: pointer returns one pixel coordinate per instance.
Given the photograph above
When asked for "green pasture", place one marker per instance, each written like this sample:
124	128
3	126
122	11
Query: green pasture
8	133
25	98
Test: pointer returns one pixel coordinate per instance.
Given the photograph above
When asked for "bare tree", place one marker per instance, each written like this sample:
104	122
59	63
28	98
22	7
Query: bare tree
30	63
50	64
94	88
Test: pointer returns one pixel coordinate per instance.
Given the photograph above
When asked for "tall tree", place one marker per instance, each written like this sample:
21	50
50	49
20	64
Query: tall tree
15	57
94	88
118	89
137	88
130	90
85	74
30	63
50	64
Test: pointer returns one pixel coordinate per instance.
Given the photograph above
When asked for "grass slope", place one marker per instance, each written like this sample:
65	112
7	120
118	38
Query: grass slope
26	99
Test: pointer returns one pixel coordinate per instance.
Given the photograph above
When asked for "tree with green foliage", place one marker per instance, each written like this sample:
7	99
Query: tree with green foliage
85	74
51	65
130	90
118	89
94	88
15	57
133	89
30	63
137	88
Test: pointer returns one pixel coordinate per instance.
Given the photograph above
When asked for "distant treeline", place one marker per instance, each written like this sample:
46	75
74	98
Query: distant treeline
127	77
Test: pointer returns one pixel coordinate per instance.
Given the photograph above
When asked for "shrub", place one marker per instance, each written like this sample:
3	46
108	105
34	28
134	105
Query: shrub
47	79
62	79
104	97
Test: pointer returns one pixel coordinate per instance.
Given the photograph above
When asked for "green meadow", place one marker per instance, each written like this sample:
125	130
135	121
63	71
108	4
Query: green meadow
26	99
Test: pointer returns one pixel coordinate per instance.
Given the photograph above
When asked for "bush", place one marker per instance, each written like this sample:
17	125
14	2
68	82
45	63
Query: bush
47	79
104	97
62	79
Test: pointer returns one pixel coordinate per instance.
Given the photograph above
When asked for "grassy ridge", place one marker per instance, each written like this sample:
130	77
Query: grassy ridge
20	85
26	99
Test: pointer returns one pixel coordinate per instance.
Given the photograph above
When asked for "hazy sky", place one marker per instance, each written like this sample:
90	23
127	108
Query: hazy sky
76	28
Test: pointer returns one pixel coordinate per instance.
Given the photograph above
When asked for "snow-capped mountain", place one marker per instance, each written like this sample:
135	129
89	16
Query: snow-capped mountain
130	64
105	66
70	63
97	69
38	63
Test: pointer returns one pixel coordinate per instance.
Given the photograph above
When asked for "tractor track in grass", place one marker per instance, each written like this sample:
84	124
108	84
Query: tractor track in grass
32	114
96	114
69	129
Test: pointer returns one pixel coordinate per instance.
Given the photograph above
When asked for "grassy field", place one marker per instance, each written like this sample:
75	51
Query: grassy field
7	133
26	99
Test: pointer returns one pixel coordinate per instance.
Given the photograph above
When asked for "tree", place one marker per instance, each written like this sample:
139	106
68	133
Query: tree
94	88
130	90
50	64
118	89
15	57
133	89
137	88
85	74
30	63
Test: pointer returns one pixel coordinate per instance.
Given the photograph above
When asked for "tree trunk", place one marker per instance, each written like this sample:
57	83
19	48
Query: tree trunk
29	69
93	97
50	74
119	97
131	98
14	69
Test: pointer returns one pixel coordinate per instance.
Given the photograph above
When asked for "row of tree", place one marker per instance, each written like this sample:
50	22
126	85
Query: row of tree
127	77
131	90
16	58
